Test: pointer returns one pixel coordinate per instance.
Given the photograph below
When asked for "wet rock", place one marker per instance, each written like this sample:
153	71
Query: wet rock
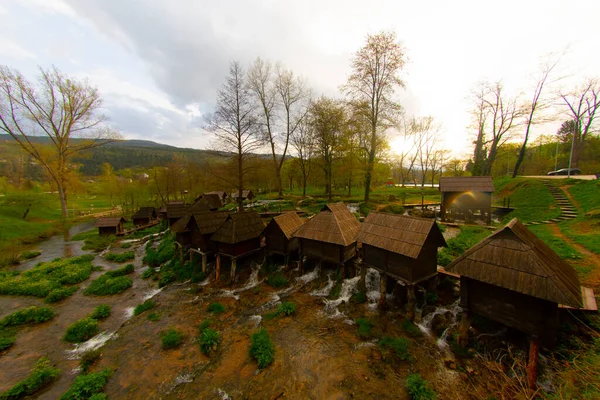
427	310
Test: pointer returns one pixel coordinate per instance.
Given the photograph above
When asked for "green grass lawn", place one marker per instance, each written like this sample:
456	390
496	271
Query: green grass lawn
467	238
560	247
530	198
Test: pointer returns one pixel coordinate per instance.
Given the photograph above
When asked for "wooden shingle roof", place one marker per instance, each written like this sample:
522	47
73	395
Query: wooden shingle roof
105	222
200	205
176	210
334	224
245	194
145	212
399	233
515	259
222	194
466	184
207	222
288	222
239	227
213	199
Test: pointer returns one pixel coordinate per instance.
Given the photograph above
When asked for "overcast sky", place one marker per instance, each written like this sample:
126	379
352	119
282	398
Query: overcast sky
159	63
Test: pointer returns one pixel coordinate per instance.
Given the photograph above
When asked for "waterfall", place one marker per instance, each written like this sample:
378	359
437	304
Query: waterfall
425	324
348	288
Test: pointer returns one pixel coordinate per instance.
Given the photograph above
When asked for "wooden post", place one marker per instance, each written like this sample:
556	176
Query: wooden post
463	328
362	284
411	299
204	262
287	261
181	254
382	290
191	256
532	365
301	264
233	263
218	267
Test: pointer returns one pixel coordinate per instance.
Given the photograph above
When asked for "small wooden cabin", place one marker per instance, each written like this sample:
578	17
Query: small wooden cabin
279	234
195	229
110	225
176	210
144	216
223	197
330	235
246	195
462	196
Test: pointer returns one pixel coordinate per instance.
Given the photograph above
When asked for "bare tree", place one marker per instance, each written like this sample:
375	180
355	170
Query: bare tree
438	160
374	79
59	108
582	104
303	142
456	166
234	124
427	133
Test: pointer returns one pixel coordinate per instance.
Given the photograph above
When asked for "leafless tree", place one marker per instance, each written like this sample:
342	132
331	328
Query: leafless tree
235	125
303	142
59	108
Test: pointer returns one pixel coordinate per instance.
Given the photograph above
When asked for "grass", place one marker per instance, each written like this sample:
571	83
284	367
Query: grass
148	273
44	278
107	285
286	309
584	231
215	308
209	339
468	237
364	328
358	298
411	329
60	294
578	379
560	247
101	312
82	330
93	241
154	316
163	253
42	375
120	257
7	338
28	255
30	315
145	306
531	199
87	385
277	280
393	209
418	388
398	345
126	270
262	348
171	338
88	359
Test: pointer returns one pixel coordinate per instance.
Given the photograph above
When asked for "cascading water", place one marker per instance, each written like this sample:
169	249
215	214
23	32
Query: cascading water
426	324
348	289
92	344
151	293
372	285
324	292
252	282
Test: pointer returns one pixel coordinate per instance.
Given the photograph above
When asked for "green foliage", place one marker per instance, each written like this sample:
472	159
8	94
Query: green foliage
215	308
393	209
148	273
335	291
7	338
88	359
209	340
418	388
126	245
171	338
205	324
468	237
42	375
277	280
86	386
530	197
29	315
105	285
431	298
262	348
120	257
286	309
82	330
364	328
98	396
28	255
562	248
145	306
366	208
126	270
166	277
164	252
44	278
411	329
97	242
358	298
153	316
398	345
60	294
101	312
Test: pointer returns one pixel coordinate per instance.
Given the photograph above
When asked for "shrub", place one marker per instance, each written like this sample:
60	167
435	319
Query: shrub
398	345
163	253
60	294
393	209
126	245
262	348
358	298
215	308
411	329
153	316
120	258
101	312
366	208
166	277
209	340
286	308
418	388
29	315
126	270
7	338
277	280
105	285
145	306
28	255
42	375
148	273
81	330
88	359
364	328
171	338
86	386
431	297
98	243
205	324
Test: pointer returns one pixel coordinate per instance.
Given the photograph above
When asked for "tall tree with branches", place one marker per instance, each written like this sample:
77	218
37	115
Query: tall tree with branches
235	125
303	143
375	77
58	108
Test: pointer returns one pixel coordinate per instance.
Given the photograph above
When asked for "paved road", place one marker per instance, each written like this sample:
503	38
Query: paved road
584	177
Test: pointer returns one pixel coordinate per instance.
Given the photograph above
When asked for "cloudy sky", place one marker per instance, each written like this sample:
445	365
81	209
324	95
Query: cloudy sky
159	63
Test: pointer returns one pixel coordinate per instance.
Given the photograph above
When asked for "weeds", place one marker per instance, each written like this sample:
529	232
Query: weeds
87	386
7	338
171	338
81	330
359	298
60	294
154	317
262	348
286	309
101	312
28	255
29	315
120	257
398	345
148	273
418	388
42	375
215	308
145	306
126	270
364	328
88	359
411	329
105	285
209	340
277	280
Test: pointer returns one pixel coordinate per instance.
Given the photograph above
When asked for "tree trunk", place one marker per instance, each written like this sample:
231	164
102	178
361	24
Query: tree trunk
240	200
62	195
304	185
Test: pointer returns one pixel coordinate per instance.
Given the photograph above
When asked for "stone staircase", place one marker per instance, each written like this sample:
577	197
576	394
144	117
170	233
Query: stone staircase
567	210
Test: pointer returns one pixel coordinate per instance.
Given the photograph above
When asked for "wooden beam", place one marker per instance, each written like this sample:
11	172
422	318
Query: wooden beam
532	364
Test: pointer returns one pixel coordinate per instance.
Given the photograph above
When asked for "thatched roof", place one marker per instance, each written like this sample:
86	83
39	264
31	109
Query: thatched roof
514	258
108	222
239	227
288	222
222	194
466	184
334	224
206	221
145	212
176	210
200	205
399	233
245	194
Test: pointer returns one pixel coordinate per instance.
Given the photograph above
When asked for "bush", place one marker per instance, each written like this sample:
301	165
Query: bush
42	375
101	312
29	315
398	345
120	258
418	388
148	273
364	328
105	285
411	329
277	280
126	270
171	338
126	245
28	255
87	386
358	298
153	317
209	340
215	308
145	306
163	253
60	294
286	308
97	243
166	277
88	359
205	324
7	338
262	348
393	209
366	208
81	330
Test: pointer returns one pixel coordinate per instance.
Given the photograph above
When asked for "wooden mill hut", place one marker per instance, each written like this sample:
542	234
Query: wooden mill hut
176	210
514	278
144	216
330	235
239	236
401	247
223	197
279	235
246	195
462	196
110	225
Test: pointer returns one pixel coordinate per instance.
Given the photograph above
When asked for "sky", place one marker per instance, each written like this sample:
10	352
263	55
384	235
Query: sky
158	64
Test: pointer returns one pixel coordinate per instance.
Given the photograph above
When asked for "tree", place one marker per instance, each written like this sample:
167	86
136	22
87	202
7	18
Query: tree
455	166
374	79
303	143
234	125
59	108
582	105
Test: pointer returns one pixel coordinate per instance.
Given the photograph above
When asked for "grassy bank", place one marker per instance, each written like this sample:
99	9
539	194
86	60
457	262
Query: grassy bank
531	200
